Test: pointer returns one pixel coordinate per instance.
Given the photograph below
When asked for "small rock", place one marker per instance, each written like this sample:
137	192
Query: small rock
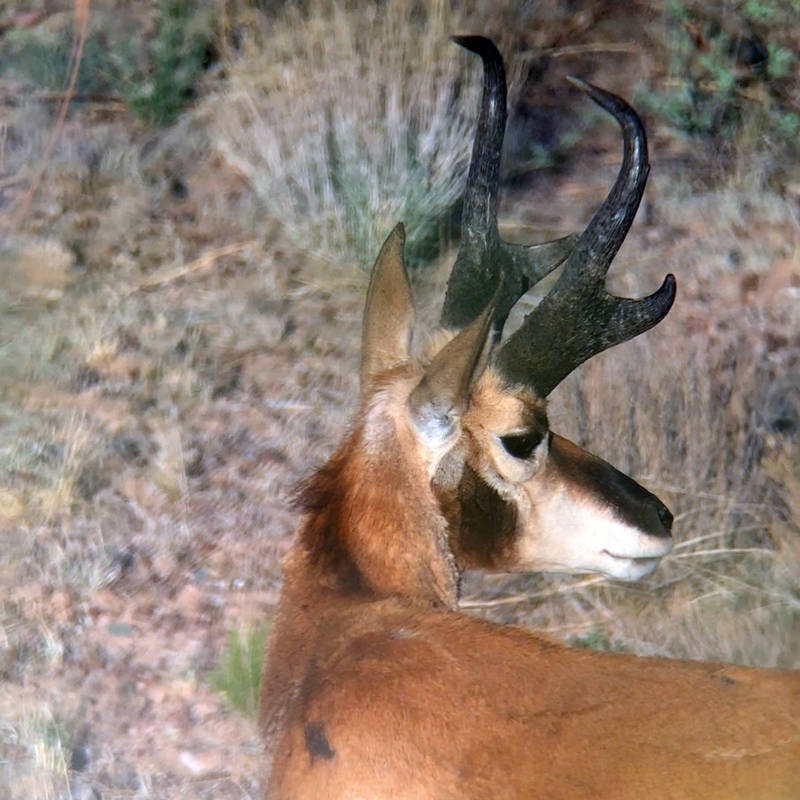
199	765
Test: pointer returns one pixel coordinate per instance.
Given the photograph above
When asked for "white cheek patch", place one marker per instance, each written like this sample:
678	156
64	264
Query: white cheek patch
566	534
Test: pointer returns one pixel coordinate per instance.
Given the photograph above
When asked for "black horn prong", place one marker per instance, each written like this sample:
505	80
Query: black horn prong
606	232
578	318
483	256
480	196
538	260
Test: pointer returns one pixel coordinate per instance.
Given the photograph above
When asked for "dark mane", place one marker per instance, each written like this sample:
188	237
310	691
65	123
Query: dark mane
321	489
320	496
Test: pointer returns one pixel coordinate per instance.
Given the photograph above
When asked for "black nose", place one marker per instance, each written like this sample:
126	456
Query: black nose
665	516
637	506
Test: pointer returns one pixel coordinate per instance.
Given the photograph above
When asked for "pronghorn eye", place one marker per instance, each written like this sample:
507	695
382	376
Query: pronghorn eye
523	445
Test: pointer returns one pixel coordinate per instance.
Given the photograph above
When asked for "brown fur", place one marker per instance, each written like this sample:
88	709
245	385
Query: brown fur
423	702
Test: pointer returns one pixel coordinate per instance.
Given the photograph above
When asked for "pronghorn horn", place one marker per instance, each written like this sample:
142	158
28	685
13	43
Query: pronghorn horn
389	311
578	318
483	256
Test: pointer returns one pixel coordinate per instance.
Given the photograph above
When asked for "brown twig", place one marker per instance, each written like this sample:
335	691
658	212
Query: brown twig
205	261
111	101
584	49
526	598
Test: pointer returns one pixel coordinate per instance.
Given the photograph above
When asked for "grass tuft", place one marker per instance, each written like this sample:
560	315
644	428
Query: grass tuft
349	120
238	676
34	753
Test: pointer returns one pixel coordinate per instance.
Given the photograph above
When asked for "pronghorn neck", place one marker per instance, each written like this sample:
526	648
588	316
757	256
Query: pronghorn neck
373	525
373	533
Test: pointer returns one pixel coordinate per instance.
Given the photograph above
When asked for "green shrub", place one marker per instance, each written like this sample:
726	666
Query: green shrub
729	79
46	61
173	63
157	77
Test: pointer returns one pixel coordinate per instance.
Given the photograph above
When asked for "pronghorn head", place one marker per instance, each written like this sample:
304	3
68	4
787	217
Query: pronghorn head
452	465
517	496
376	525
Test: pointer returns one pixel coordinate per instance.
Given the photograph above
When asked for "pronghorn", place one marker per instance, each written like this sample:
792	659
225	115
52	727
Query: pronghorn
375	686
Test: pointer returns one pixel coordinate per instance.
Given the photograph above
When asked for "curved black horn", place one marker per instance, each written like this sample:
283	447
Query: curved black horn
578	318
483	255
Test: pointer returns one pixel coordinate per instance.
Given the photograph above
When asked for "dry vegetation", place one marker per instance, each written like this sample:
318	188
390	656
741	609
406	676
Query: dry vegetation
340	135
179	333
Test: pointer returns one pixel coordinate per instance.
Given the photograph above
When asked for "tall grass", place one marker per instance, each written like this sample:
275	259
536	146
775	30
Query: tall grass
34	752
350	120
238	676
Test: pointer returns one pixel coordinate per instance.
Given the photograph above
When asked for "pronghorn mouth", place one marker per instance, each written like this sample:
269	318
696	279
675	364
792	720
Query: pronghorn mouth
632	559
627	568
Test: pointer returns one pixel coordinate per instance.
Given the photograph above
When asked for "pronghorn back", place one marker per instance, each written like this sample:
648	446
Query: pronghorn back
375	686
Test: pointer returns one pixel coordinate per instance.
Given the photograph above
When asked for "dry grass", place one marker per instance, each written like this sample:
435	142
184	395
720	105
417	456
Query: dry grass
730	590
34	755
350	119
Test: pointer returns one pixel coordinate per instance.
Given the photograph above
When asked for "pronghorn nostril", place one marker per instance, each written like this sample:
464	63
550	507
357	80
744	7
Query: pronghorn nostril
665	516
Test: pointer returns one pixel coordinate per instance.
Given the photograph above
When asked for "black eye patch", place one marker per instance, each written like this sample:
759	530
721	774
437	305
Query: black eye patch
522	445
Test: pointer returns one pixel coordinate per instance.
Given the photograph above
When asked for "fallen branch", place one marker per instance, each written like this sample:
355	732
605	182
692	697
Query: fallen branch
206	261
82	19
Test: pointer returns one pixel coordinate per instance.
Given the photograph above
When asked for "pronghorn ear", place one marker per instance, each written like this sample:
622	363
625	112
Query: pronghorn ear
443	393
389	312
